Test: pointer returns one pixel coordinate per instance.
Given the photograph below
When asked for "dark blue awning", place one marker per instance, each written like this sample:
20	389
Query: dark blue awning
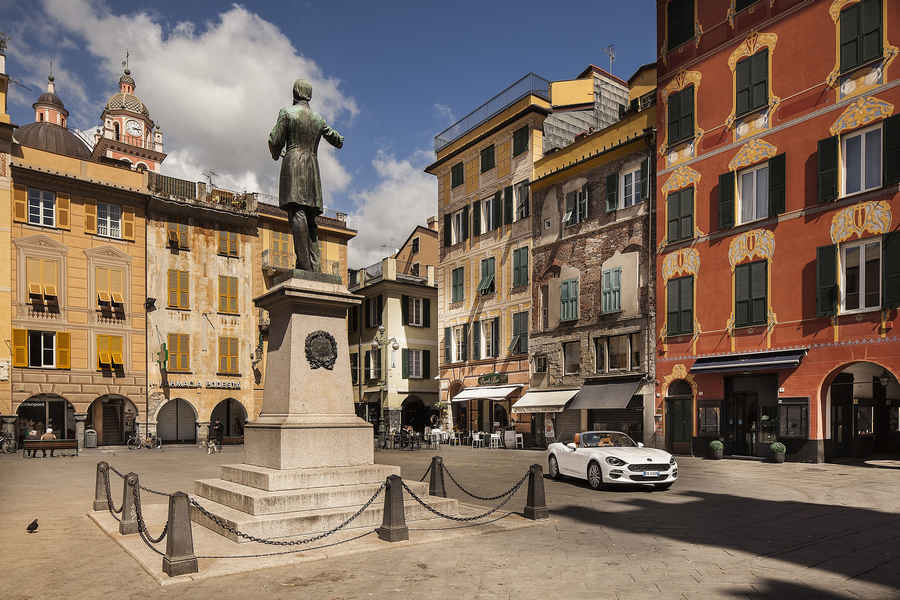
750	362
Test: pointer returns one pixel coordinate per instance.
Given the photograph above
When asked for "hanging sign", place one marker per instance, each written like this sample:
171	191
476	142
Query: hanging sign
493	379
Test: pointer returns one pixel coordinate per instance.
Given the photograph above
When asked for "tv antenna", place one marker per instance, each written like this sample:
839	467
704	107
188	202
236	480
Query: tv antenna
611	53
209	174
4	42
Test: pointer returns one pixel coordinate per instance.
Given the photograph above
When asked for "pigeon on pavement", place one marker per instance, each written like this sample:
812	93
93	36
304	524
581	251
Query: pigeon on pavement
32	527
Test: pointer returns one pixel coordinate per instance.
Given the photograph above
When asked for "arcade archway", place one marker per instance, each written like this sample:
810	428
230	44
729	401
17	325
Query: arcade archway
176	422
861	406
46	410
233	416
113	418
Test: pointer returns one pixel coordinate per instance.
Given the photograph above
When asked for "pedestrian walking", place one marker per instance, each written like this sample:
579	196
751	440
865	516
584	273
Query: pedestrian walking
219	431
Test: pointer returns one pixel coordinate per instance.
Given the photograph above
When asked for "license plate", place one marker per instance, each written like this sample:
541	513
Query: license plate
651	473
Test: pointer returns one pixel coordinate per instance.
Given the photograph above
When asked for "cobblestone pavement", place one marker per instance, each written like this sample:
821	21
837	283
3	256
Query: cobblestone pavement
727	529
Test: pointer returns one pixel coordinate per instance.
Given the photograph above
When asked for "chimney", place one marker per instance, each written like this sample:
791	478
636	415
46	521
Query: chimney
432	223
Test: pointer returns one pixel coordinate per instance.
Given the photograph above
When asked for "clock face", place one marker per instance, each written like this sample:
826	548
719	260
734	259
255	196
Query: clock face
134	128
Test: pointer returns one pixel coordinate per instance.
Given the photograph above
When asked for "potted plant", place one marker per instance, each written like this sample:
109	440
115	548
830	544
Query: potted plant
778	450
716	449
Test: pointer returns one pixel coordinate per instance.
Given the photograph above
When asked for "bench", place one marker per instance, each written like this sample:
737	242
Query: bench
28	445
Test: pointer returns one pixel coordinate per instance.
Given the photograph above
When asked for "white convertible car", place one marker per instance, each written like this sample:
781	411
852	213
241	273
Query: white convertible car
611	457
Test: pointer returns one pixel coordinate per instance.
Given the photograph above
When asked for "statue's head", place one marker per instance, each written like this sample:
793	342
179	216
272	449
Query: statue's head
302	90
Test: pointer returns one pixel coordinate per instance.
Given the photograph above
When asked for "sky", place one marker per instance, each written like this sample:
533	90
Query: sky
387	75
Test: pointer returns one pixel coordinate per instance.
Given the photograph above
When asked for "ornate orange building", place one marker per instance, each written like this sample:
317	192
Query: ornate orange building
778	262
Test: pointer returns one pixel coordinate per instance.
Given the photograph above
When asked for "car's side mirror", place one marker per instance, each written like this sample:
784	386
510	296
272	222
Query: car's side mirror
640	444
570	446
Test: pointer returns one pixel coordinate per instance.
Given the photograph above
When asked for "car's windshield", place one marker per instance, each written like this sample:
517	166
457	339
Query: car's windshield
604	439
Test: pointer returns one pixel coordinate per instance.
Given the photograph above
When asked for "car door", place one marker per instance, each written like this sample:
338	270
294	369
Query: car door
564	459
579	462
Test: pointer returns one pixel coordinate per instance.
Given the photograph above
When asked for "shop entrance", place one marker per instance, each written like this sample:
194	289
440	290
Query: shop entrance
177	422
413	413
233	416
679	406
44	411
864	413
113	418
750	414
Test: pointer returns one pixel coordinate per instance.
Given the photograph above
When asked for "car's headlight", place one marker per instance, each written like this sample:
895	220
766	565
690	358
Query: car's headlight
672	461
616	462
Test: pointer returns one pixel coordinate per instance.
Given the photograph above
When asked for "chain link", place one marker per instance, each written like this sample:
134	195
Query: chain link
113	469
512	492
252	538
424	475
476	496
295	550
109	501
142	527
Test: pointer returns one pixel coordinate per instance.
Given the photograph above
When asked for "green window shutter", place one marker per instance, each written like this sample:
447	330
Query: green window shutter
405	363
465	223
891	153
465	344
516	268
850	50
890	264
645	168
569	217
367	366
426	364
448	232
563	301
426	312
476	340
687	113
379	316
673	310
673	208
612	192
476	218
573	299
673	114
827	168
687	213
404	309
759	79
741	295
726	200
368	313
616	289
507	204
495	337
870	30
495	211
448	346
604	292
776	184
826	280
758	290
743	87
686	304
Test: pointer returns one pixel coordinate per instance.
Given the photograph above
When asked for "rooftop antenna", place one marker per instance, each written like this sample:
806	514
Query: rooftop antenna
611	53
125	61
4	41
209	174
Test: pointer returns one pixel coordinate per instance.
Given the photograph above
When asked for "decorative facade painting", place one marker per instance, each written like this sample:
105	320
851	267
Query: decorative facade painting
861	111
867	217
754	151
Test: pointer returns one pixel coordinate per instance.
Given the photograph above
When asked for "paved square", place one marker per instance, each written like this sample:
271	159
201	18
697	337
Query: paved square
727	529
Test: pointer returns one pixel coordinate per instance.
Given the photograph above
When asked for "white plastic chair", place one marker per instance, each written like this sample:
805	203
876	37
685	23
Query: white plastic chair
477	441
495	440
453	437
520	441
435	440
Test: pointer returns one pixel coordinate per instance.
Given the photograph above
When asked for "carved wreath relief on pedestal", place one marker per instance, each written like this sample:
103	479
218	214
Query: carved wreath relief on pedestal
321	350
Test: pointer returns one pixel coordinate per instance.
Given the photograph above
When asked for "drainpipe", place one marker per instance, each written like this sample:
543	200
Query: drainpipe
146	319
650	235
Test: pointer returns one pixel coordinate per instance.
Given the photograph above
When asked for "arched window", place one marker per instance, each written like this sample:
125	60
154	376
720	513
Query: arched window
116	128
41	116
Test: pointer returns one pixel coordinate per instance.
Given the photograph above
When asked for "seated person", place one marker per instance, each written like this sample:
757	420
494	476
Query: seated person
48	435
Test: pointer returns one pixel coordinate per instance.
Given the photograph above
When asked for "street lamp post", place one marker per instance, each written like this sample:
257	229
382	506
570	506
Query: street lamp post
380	342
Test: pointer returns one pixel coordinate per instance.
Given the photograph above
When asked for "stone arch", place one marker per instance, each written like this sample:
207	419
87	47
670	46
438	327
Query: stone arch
233	415
46	410
113	417
176	421
413	412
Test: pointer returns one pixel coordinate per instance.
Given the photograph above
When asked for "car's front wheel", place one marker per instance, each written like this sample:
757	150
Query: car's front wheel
594	476
553	468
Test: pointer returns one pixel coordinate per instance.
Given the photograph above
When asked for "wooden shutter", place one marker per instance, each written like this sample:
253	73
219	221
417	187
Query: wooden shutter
687	213
116	353
571	199
476	340
758	291
742	87
233	294
776	184
759	79
673	219
223	355
172	350
495	211
673	311
616	289
90	216
645	169
184	350
891	152
367	365
850	19
687	113
448	342
426	364
742	296
448	232
495	337
612	192
183	236
233	237
223	294
404	363
63	350
890	264
573	299
465	223
379	318
173	288
101	282
726	200
426	312
870	30
184	289
827	169
117	286
507	205
20	203
63	210
223	242
686	304
673	113
604	292
20	347
826	280
476	218
128	223
465	343
404	309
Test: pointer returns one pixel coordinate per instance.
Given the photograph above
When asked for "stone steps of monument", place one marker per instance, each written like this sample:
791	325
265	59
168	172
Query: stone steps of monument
264	478
310	522
260	502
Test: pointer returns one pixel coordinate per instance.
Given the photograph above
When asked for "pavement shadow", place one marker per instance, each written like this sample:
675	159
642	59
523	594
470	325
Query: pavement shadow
776	588
858	543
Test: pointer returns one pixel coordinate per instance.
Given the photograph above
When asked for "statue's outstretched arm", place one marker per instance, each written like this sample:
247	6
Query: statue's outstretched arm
333	137
277	135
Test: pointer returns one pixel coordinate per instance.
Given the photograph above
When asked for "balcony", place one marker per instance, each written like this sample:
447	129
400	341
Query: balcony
201	195
530	84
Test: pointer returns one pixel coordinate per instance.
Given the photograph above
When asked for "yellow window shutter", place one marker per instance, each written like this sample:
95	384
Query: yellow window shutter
233	295
184	288
115	350
33	276
62	210
20	201
20	347
103	351
233	244
90	216
50	277
172	347
223	355
184	348
116	286
102	283
233	354
223	242
63	350
173	287
128	223
223	293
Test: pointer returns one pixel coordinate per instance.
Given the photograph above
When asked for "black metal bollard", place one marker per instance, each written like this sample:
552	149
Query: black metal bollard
100	500
536	505
179	558
436	483
393	522
128	523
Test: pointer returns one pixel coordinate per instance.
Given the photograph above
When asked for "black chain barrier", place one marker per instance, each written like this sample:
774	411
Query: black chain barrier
424	475
142	527
476	496
294	551
270	542
146	489
430	508
113	469
109	501
478	524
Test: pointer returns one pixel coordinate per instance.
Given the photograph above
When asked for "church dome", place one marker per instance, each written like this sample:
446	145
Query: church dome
129	102
51	137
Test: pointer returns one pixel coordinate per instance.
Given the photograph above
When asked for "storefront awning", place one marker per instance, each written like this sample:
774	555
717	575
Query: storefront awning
486	392
543	401
614	395
753	361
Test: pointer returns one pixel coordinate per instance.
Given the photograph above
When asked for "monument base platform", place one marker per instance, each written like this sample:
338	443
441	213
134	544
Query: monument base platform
308	444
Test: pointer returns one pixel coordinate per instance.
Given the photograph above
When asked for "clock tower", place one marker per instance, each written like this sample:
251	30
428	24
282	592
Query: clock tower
127	134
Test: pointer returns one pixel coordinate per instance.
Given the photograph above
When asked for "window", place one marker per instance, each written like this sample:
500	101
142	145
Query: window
109	220
179	351
487	158
545	307
576	206
460	343
680	215
458	290
179	289
415	311
42	277
753	193
110	288
373	365
354	369
460	226
228	355
681	115
519	343
490	213
414	269
540	363
572	357
281	250
228	243
42	349
680	21
708	420
520	267
861	275
457	175
618	353
632	186
228	291
414	364
522	203
793	417
177	235
41	207
374	307
415	245
680	306
486	285
750	293
752	83
568	297
860	34
611	290
109	352
520	140
861	153
636	347
486	342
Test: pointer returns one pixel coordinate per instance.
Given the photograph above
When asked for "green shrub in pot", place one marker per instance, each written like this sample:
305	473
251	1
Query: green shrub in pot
716	449
778	450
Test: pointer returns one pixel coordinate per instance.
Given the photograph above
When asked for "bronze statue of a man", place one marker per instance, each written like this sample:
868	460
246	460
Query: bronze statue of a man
298	130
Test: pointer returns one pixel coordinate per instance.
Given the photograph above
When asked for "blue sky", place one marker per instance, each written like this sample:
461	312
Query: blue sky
388	75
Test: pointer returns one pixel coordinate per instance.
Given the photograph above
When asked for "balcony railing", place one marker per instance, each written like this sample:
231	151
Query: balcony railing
199	193
530	84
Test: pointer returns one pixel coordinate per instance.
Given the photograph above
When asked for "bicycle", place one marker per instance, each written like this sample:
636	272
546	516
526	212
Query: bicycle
136	442
8	444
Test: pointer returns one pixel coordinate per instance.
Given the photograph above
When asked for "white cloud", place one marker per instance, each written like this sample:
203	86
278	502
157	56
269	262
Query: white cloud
444	113
214	88
385	215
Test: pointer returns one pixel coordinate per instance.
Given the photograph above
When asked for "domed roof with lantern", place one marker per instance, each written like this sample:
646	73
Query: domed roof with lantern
125	99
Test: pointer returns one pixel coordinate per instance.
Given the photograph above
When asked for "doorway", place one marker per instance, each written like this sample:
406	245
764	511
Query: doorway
177	422
679	407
